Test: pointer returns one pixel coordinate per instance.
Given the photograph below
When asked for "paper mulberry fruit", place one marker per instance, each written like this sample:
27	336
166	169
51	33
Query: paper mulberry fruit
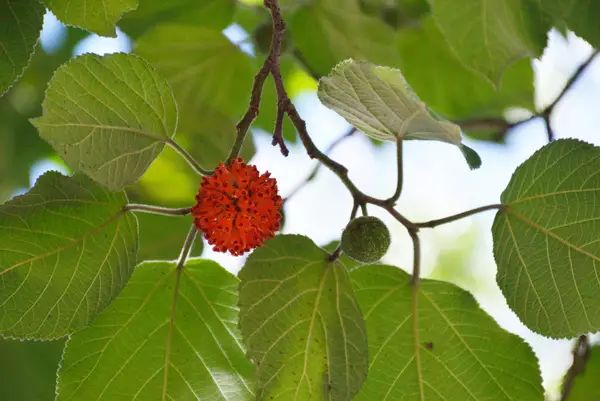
237	208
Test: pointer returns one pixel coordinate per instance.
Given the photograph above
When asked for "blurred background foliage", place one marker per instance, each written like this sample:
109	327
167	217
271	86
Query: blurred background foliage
209	50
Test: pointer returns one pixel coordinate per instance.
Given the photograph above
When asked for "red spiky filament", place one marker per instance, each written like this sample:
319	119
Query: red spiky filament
237	208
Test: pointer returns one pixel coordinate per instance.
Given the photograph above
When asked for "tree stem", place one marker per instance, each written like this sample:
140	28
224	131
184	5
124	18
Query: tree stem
188	158
458	216
581	354
165	211
187	247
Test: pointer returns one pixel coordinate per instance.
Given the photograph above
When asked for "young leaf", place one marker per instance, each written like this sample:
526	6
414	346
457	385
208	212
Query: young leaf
458	352
378	101
301	324
108	117
20	25
490	35
67	250
171	335
546	240
98	16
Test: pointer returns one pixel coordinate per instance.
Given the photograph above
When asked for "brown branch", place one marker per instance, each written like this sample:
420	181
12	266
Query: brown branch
581	354
261	76
458	216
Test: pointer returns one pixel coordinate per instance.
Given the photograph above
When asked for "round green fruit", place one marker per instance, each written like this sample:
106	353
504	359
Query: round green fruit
366	239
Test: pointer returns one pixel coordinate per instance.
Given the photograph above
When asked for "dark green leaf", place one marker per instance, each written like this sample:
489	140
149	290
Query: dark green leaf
490	35
209	13
108	117
581	16
98	16
28	370
546	240
171	335
301	324
447	86
328	31
20	25
457	353
203	67
67	250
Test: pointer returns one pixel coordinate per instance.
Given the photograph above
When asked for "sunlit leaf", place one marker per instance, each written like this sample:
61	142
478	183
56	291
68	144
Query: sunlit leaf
28	369
546	240
458	352
379	102
67	250
20	25
171	335
108	117
490	35
301	324
98	16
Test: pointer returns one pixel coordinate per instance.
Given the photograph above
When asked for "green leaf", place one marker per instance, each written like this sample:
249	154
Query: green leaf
379	102
170	335
458	352
161	237
546	240
301	324
446	85
329	31
585	386
67	250
108	117
20	25
28	370
203	67
209	13
490	35
98	16
581	16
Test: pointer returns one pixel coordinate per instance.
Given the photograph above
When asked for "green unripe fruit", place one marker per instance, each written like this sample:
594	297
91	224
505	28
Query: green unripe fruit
366	239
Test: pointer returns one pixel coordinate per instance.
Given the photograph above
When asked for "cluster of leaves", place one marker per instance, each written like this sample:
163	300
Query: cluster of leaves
296	323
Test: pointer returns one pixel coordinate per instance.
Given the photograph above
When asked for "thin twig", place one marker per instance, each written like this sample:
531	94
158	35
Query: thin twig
278	132
165	211
187	247
502	126
188	158
400	173
458	216
581	354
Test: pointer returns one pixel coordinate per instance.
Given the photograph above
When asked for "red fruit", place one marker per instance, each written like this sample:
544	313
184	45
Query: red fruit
237	208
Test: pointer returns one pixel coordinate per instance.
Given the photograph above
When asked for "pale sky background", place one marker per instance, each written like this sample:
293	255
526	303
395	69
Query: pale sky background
437	181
